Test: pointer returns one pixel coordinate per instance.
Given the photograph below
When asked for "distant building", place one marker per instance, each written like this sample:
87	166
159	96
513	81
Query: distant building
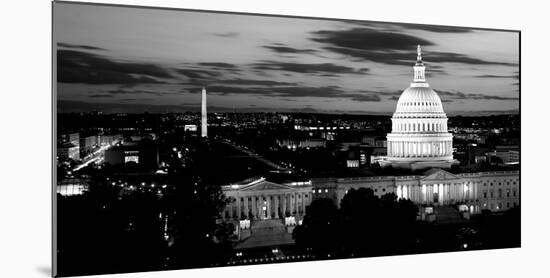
72	187
87	144
144	154
73	138
110	139
494	191
505	154
68	151
190	128
301	143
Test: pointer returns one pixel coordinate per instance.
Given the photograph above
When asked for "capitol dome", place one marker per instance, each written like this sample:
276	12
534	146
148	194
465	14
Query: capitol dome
419	137
418	100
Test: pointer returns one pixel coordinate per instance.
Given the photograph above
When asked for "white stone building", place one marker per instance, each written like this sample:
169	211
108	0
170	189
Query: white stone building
419	137
494	191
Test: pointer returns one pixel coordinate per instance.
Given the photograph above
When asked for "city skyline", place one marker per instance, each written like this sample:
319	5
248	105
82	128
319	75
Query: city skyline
120	59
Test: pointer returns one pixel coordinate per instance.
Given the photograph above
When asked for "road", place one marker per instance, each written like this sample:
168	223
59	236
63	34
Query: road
257	157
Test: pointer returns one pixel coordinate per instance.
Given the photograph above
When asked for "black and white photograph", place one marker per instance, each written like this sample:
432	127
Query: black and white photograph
198	139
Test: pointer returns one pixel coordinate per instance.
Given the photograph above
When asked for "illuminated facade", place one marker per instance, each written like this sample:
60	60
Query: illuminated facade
493	191
419	137
263	200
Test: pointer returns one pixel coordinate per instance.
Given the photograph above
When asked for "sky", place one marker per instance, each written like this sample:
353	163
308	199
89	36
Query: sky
125	59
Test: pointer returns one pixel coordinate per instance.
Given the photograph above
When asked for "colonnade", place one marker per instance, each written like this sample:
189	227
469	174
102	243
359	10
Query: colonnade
439	193
267	206
420	149
400	126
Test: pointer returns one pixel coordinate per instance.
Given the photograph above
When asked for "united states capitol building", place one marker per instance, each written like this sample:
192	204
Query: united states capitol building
419	141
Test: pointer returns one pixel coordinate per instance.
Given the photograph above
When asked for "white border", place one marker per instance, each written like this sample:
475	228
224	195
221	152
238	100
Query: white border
26	129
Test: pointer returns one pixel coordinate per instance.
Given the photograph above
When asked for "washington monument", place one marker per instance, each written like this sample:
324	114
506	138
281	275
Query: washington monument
204	130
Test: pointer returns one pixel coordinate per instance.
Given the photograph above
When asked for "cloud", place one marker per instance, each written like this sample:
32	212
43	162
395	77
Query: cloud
423	27
281	48
435	28
197	73
322	68
82	67
449	57
388	47
139	92
456	95
368	39
497	76
136	99
219	65
100	96
79	46
239	81
227	34
288	92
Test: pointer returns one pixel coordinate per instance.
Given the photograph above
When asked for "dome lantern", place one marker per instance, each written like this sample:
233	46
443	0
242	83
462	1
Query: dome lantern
419	75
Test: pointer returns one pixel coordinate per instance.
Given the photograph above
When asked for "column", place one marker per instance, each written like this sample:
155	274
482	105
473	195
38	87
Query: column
269	206
254	208
238	207
424	149
276	205
291	203
296	204
246	211
303	203
283	200
476	189
425	194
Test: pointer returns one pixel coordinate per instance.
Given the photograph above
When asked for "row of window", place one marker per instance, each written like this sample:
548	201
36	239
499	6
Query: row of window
499	192
499	183
423	103
499	205
408	127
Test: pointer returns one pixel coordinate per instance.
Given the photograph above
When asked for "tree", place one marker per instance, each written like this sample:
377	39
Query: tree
196	205
319	230
365	225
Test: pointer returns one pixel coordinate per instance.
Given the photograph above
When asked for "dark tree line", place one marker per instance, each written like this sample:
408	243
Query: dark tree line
365	225
110	230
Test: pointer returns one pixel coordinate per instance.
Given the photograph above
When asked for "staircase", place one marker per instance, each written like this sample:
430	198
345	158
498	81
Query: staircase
263	233
447	215
268	226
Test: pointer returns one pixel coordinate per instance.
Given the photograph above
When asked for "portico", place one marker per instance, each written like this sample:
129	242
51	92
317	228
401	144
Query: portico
262	200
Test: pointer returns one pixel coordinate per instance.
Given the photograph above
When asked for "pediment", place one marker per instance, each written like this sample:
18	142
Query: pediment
265	186
439	174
